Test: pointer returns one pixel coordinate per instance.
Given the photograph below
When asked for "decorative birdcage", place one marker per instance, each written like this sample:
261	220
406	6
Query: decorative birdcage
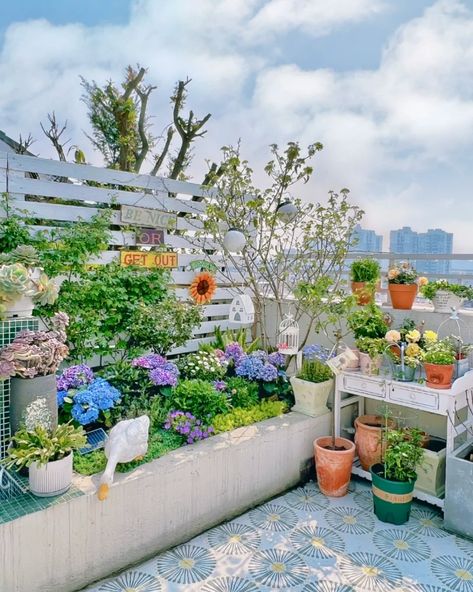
288	340
457	331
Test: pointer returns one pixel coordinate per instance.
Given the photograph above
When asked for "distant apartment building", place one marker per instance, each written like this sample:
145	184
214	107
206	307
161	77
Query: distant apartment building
434	241
366	240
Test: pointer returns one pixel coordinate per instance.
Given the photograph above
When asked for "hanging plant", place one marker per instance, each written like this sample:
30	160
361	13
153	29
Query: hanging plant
203	287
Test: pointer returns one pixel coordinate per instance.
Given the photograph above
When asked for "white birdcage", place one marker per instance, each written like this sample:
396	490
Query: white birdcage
288	341
459	334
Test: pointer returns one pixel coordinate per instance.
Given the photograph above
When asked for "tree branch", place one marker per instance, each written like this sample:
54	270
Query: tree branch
162	156
54	134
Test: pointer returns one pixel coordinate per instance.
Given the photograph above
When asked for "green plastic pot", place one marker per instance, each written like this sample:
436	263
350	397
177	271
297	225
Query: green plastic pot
392	499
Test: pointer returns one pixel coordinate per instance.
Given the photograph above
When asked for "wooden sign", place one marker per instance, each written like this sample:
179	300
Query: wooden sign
149	236
147	217
149	259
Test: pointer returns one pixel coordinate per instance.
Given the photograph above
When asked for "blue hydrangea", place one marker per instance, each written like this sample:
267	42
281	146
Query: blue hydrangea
316	352
88	402
84	415
60	397
255	367
277	359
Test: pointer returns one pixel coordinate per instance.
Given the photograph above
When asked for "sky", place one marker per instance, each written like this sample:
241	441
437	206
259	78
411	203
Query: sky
385	85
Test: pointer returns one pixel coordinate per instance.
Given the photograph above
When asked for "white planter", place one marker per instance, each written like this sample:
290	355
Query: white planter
52	478
21	307
445	301
311	397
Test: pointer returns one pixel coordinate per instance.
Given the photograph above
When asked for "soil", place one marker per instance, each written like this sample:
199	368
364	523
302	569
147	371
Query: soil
335	448
373	425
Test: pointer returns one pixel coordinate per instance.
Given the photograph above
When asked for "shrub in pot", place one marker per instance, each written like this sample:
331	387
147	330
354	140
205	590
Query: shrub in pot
403	285
394	479
48	453
312	386
371	354
446	296
32	360
364	274
439	364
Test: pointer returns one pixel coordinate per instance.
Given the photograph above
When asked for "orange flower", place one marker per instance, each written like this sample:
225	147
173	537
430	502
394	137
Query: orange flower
203	287
422	281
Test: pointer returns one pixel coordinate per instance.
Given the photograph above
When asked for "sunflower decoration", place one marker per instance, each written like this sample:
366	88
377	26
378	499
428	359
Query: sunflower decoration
203	287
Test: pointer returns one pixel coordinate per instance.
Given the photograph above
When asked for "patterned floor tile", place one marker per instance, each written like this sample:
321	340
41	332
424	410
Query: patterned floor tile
304	541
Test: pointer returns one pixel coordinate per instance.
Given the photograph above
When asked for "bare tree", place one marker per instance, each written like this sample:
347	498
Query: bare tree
54	133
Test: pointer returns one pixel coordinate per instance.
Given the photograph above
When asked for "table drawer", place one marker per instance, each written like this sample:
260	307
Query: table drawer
364	386
409	396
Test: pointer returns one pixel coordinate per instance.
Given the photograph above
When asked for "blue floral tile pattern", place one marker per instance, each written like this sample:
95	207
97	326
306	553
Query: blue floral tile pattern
303	541
186	564
278	569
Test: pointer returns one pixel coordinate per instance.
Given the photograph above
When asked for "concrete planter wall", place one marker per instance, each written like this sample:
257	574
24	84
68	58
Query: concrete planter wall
458	509
157	506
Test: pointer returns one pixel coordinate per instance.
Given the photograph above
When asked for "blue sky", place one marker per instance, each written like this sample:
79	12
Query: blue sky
386	85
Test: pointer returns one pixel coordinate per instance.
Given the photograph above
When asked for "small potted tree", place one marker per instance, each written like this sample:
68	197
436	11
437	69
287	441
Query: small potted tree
446	296
403	284
312	386
364	274
394	479
439	364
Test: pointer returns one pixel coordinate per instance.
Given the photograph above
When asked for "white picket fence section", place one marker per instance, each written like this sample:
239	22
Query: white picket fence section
34	184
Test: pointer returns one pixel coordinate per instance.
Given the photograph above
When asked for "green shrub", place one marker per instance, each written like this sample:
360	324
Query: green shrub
440	352
365	270
315	371
368	321
242	417
373	346
403	454
430	289
243	393
199	398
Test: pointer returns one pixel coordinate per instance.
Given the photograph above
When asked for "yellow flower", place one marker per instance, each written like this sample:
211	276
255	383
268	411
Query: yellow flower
413	335
422	281
393	336
393	273
413	350
430	336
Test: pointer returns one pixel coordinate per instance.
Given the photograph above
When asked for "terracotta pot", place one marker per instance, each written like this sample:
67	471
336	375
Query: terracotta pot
402	295
439	376
333	467
363	293
369	366
369	445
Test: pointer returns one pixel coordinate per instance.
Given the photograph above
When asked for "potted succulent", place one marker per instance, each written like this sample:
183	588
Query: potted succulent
403	284
312	386
446	296
371	354
32	360
394	479
439	364
48	452
364	274
22	283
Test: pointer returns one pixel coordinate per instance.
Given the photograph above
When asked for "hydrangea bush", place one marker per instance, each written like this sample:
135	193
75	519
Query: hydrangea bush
187	425
162	374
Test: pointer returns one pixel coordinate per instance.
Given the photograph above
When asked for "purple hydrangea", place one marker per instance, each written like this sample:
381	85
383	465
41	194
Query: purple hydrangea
74	377
317	352
220	385
149	361
255	367
277	359
164	376
234	352
185	424
161	372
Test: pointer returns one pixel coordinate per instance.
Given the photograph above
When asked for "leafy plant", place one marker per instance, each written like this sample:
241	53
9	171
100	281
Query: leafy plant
243	417
202	365
185	424
160	326
365	270
403	454
440	352
373	346
368	321
42	445
199	398
314	370
242	393
224	338
430	289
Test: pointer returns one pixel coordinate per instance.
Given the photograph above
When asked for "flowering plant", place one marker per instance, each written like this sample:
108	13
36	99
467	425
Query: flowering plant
430	289
257	367
317	352
36	353
162	374
204	365
440	352
403	273
233	353
187	425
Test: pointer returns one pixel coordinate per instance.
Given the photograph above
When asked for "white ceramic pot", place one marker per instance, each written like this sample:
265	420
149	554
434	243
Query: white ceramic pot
311	397
52	478
445	301
21	307
369	366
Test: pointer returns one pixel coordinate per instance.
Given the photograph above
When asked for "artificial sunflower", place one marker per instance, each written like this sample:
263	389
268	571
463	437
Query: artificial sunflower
203	287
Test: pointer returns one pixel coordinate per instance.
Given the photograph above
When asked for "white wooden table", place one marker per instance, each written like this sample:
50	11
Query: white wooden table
354	387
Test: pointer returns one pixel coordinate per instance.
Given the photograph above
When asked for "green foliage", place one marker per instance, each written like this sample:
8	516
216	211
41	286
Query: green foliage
373	346
239	417
160	326
315	371
243	393
365	270
91	463
101	303
199	398
403	454
224	338
368	321
159	408
440	352
202	365
430	289
42	445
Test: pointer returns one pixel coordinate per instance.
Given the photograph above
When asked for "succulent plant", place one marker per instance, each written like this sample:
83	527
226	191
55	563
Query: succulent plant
36	353
24	254
47	290
15	281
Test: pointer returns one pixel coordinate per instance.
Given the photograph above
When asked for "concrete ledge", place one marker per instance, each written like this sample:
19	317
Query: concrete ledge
159	505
